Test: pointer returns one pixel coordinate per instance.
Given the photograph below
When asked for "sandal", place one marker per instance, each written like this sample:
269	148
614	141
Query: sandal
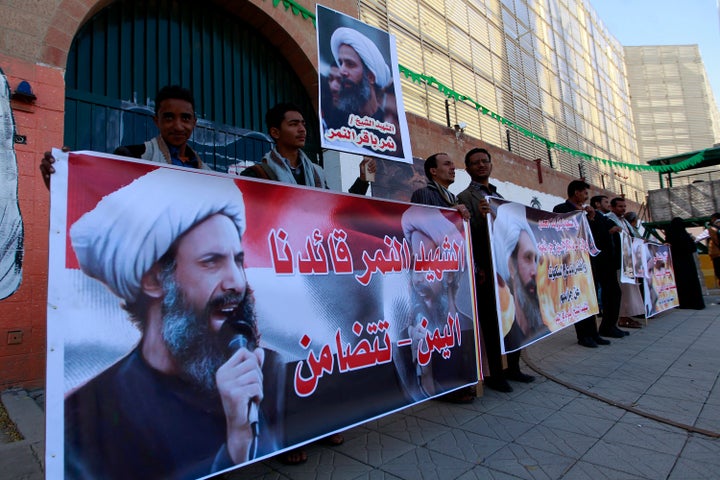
293	457
627	322
334	440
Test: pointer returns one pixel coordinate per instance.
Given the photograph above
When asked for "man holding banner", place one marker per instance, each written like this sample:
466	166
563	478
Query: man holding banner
578	192
196	395
606	266
478	164
631	302
286	162
440	172
175	120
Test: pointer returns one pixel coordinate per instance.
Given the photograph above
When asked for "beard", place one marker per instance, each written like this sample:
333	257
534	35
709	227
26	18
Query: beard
527	298
432	305
354	96
197	350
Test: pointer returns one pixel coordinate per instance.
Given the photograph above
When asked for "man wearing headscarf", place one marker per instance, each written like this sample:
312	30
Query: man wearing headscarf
364	72
190	398
515	252
440	173
286	162
175	120
630	301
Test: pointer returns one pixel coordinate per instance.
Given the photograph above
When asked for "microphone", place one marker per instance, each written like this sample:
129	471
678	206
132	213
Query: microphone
241	335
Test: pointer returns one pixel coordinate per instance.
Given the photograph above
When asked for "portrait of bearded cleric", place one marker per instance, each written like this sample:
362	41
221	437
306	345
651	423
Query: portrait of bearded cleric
516	257
198	392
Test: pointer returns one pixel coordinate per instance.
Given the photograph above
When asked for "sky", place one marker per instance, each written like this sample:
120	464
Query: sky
667	22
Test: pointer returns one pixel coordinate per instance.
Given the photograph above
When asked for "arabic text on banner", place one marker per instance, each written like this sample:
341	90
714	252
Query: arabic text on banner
660	289
361	102
542	269
363	307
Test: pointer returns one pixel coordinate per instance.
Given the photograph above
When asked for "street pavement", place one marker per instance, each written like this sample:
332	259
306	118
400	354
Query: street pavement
645	407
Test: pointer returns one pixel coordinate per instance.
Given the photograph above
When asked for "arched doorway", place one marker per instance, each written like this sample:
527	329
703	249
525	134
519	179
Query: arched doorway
125	53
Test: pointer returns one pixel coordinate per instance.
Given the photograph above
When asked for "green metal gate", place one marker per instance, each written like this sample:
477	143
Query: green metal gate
132	48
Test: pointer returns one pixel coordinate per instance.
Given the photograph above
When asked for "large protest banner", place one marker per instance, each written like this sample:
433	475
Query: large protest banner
198	322
543	278
361	102
660	289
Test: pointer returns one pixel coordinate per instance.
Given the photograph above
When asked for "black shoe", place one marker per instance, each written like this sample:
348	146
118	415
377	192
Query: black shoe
498	384
588	342
518	376
601	341
624	333
615	333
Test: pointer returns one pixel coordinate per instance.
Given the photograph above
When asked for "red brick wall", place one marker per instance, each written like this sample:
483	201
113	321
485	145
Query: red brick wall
25	310
428	138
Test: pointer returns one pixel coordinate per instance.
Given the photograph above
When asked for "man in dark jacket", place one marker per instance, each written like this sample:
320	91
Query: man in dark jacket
578	192
478	165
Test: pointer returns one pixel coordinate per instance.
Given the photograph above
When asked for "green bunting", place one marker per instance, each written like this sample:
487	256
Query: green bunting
296	9
448	92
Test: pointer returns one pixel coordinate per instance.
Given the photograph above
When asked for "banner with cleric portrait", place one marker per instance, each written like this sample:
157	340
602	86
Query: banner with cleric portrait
627	264
543	278
660	288
361	103
638	246
199	322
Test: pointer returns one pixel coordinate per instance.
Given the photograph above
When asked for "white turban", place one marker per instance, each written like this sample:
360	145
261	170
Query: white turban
431	223
130	229
509	222
365	49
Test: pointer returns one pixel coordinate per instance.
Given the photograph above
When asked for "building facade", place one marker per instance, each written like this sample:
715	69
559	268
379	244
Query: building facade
549	66
673	106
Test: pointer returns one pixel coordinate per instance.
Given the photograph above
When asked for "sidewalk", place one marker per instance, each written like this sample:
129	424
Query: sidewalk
24	459
645	407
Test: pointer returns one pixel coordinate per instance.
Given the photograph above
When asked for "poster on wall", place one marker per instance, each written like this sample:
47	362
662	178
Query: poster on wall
11	224
361	104
193	330
397	180
660	289
543	278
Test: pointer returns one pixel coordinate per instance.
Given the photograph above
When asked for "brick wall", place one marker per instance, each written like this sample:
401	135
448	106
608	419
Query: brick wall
25	310
428	138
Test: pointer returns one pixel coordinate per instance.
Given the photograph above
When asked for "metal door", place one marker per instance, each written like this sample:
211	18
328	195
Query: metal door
124	54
